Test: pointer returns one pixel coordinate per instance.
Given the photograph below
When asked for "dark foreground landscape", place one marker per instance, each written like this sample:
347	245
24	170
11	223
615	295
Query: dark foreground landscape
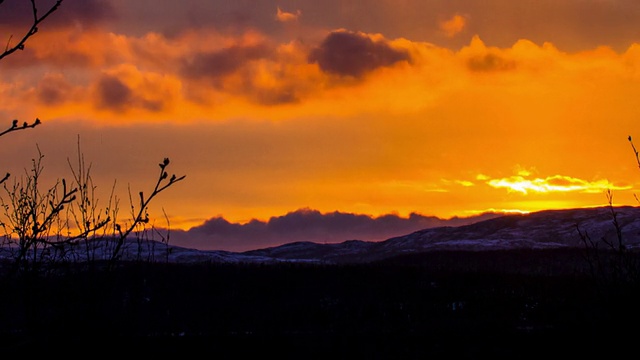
518	303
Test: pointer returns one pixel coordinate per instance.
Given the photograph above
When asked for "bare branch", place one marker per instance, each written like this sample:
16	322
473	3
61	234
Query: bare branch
32	30
141	217
635	152
25	125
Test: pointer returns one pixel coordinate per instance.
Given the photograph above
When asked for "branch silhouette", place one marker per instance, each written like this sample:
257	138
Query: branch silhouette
141	217
8	50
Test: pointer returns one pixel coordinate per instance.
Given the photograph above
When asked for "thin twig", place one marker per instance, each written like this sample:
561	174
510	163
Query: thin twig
32	30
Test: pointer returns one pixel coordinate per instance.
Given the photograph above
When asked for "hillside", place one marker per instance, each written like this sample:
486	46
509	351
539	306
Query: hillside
552	229
438	299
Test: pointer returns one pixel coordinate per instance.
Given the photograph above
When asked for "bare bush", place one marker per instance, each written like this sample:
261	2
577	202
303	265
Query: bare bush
612	262
63	222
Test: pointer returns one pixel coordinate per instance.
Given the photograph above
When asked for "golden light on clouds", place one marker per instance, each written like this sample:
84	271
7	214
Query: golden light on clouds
344	108
555	183
284	16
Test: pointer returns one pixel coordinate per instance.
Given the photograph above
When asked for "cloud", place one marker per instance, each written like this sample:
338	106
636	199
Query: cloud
54	90
284	16
66	48
347	53
71	13
306	225
217	64
453	26
489	62
480	58
83	13
555	183
207	68
258	72
465	183
113	93
127	88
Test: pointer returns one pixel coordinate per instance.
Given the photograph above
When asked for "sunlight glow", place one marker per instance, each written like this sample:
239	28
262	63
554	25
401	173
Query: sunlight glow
556	183
497	211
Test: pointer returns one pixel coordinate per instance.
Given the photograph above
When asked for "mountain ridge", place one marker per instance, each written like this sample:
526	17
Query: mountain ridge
546	229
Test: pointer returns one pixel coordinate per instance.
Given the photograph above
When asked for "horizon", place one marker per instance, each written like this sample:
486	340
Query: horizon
309	225
443	109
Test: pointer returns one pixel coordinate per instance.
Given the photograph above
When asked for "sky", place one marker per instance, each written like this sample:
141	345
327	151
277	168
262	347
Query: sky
270	108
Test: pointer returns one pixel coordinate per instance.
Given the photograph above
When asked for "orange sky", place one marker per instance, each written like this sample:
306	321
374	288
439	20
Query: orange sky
373	107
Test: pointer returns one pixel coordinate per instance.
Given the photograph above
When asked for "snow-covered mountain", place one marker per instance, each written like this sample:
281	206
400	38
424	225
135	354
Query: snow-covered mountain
540	230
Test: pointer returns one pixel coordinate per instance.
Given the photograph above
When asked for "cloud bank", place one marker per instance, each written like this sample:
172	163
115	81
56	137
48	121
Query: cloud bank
307	225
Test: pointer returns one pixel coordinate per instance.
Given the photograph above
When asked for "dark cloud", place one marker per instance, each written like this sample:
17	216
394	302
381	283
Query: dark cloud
489	62
353	54
214	65
151	105
53	90
50	95
113	93
15	13
176	17
86	13
284	95
305	225
18	14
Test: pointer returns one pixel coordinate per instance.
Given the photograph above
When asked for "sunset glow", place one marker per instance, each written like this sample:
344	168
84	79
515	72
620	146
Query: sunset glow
557	183
439	108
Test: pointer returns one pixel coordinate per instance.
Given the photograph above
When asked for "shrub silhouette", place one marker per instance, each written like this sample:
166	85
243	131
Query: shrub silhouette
62	223
614	267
